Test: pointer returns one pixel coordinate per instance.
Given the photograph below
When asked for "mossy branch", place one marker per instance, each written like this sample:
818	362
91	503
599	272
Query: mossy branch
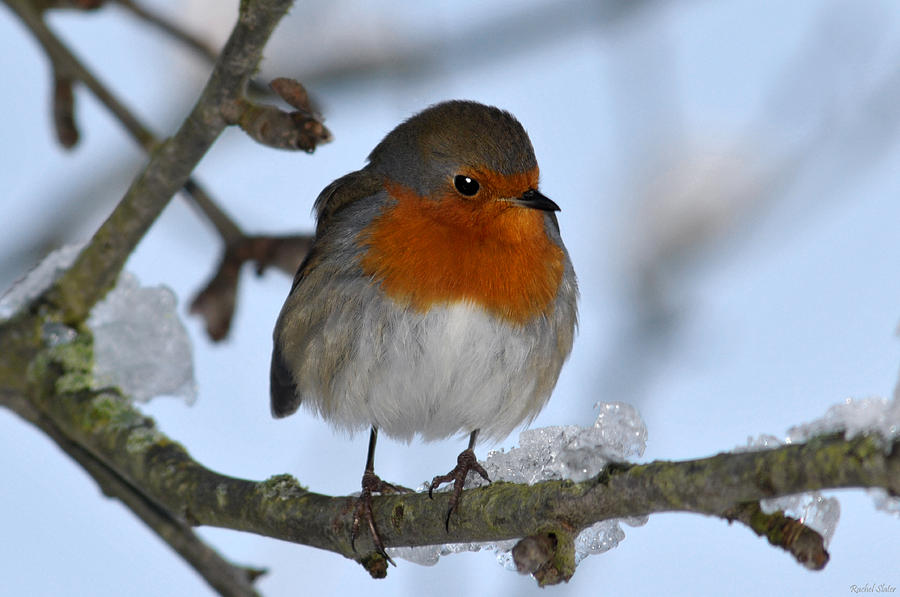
106	425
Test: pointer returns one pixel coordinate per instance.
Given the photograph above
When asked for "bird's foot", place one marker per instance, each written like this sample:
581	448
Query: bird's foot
464	463
372	483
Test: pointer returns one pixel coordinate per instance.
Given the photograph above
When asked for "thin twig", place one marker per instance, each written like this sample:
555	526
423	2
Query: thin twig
170	28
301	129
216	302
224	225
98	266
175	31
67	67
806	545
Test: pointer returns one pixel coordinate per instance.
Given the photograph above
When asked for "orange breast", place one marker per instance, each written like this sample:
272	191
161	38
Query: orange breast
425	252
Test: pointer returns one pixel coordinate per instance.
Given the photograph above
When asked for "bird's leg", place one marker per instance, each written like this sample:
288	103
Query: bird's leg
371	483
465	462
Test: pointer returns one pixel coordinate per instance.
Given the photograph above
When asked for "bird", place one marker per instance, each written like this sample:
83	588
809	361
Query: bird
437	298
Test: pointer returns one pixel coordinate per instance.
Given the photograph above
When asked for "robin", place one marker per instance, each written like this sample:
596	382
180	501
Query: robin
437	298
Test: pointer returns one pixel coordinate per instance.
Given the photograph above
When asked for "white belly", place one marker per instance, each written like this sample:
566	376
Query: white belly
449	371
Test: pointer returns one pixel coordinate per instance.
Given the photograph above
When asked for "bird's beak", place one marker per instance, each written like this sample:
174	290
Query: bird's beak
534	200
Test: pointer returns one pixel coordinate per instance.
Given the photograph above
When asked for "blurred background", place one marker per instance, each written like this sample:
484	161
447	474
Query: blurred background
730	191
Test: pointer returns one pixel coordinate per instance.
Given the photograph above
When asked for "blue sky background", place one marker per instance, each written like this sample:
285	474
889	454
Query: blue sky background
730	198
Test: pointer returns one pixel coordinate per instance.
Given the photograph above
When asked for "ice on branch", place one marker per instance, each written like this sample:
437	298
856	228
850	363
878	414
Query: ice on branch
140	344
884	501
29	287
563	452
819	513
812	509
572	452
877	417
858	417
866	416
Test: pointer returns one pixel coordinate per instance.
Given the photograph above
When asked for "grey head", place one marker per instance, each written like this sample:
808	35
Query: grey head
425	151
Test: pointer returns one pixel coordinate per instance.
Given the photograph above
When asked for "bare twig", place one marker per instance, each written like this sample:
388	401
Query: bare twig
221	221
175	31
172	161
64	111
215	303
301	129
170	28
67	66
806	545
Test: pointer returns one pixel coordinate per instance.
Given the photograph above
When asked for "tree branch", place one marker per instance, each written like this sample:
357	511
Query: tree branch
67	67
301	129
226	578
216	302
782	531
125	441
73	295
98	266
170	28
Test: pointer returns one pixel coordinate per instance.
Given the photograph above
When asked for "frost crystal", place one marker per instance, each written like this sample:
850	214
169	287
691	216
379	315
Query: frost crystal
812	509
870	416
853	417
37	280
572	452
140	344
562	452
763	442
884	501
424	555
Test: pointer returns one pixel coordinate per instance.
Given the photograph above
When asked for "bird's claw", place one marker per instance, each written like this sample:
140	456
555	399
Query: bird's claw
465	462
372	483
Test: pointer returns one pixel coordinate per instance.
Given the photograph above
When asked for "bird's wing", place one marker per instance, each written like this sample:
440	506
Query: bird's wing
326	258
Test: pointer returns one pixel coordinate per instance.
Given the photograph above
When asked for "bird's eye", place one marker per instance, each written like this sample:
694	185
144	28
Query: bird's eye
466	185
